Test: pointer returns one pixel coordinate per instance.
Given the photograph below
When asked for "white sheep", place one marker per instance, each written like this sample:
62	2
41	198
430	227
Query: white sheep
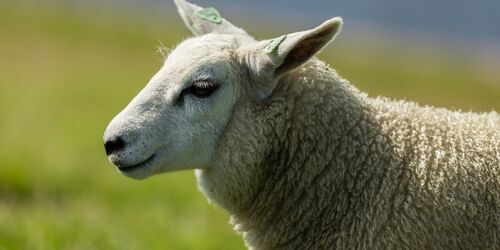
300	158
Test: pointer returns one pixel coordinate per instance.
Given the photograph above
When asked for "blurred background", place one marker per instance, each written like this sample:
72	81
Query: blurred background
67	67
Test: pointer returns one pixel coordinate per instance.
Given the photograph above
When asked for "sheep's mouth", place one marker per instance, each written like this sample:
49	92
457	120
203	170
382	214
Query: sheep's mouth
141	165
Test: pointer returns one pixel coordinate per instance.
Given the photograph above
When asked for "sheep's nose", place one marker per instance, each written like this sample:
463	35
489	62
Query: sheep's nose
113	145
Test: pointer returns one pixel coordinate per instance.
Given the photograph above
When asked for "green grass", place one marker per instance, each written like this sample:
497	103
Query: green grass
63	76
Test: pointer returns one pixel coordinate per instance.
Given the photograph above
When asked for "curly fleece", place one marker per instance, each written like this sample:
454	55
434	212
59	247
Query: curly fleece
320	165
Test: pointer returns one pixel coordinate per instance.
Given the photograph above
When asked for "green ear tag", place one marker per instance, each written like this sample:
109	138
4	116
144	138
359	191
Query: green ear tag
274	45
209	14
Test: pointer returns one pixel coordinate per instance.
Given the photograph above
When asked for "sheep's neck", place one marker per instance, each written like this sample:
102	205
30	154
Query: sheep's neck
314	167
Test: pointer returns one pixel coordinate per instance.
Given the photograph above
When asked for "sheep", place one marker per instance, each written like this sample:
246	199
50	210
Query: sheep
299	157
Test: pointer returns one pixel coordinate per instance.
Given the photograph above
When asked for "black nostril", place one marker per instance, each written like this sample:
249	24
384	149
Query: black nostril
114	145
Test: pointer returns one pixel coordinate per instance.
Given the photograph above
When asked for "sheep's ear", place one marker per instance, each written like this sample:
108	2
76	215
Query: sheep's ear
205	20
270	59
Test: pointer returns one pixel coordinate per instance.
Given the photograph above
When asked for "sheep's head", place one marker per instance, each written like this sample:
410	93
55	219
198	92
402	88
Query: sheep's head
176	121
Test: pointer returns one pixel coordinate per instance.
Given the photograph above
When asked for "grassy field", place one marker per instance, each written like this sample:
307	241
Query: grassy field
63	76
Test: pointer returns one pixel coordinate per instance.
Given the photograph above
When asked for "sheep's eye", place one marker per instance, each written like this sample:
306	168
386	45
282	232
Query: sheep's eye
202	89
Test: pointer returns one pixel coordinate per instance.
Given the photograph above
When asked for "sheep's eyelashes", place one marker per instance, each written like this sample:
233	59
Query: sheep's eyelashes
202	89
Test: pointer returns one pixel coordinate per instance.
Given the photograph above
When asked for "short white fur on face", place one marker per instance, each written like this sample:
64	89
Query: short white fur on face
168	123
167	127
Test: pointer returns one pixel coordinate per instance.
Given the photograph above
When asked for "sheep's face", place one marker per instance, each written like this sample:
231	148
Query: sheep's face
175	121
